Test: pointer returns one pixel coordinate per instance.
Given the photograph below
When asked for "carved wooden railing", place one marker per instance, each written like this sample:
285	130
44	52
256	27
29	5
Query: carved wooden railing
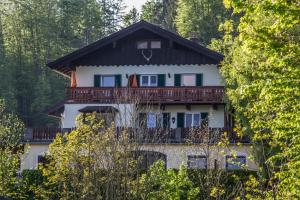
170	95
148	135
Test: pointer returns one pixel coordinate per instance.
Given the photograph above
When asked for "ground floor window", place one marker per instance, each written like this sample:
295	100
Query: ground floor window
147	158
154	120
235	162
197	162
195	119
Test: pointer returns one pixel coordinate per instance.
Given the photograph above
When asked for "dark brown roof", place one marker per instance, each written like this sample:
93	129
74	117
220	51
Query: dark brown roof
65	63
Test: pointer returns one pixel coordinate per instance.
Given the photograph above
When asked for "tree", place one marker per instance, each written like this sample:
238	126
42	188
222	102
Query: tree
131	18
11	129
90	163
262	78
160	12
159	183
200	19
34	32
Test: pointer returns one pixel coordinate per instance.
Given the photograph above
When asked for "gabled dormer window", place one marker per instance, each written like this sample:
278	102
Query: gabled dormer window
148	44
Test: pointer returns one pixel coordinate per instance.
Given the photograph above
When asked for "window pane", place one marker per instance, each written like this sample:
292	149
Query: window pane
188	80
153	81
142	45
188	120
145	80
197	162
196	121
235	163
108	81
151	120
159	120
155	44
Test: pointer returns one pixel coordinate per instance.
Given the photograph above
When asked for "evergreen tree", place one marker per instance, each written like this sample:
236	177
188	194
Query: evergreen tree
160	12
132	17
200	19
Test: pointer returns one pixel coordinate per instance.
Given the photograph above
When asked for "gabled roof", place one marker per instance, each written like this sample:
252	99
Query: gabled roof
64	63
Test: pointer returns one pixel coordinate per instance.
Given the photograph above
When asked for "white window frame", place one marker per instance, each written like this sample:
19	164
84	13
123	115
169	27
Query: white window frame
182	77
37	158
107	75
149	44
142	41
149	80
154	41
238	155
193	114
197	157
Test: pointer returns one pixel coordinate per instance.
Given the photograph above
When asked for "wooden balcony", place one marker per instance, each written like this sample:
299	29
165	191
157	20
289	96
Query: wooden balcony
147	95
148	135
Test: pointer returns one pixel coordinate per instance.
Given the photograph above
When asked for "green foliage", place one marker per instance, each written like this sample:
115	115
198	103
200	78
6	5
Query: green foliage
10	134
262	77
200	19
132	17
160	12
90	163
34	32
159	183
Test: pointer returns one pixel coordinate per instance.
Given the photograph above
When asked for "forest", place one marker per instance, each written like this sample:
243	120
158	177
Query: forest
261	68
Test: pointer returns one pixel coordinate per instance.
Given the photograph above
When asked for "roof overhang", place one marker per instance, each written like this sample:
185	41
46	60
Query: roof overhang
99	109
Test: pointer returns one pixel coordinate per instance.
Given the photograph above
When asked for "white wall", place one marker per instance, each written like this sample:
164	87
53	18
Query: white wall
211	75
71	113
126	113
177	154
29	160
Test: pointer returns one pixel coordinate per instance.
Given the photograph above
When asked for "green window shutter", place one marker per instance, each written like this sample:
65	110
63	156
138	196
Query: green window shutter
180	120
118	80
204	119
199	79
177	79
204	115
166	120
143	120
138	77
97	80
161	82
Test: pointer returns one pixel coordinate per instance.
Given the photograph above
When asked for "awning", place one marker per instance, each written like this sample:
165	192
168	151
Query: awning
98	109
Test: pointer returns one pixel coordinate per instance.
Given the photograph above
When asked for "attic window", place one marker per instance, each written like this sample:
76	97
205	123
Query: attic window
149	44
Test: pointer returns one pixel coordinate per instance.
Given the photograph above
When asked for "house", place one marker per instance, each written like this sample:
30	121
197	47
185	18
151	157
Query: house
170	85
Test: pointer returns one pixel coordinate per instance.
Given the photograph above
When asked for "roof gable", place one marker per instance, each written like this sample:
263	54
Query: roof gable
190	52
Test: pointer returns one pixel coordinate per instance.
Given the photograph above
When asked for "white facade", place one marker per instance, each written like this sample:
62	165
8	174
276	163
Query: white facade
176	154
126	111
211	75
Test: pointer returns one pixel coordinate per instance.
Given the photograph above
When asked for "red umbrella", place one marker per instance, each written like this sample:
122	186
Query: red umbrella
73	79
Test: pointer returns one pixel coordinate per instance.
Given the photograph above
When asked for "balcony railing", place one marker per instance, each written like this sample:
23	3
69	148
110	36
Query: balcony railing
153	95
148	135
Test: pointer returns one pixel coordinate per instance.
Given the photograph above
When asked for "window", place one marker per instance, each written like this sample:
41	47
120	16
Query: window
192	119
151	120
154	120
149	80
142	45
188	80
155	45
197	162
235	162
149	44
42	159
108	81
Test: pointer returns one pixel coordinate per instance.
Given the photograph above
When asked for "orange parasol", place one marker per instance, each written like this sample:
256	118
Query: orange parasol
134	83
73	79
